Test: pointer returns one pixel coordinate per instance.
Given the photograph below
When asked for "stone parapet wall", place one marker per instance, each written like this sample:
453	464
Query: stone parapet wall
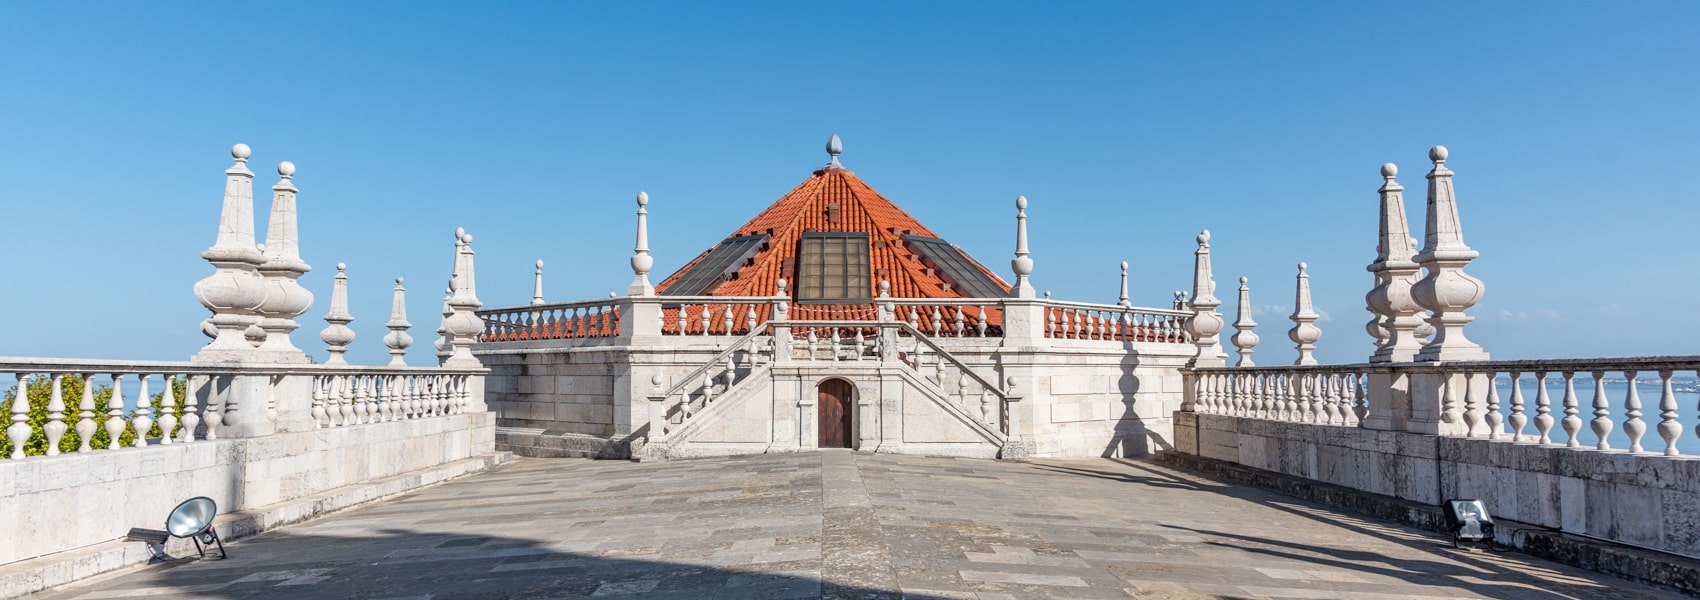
65	502
1643	500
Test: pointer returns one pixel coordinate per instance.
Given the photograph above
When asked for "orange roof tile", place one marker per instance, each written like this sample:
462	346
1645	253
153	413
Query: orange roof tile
861	209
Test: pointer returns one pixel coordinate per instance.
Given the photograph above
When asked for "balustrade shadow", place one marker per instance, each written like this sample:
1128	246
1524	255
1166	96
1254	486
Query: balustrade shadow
396	563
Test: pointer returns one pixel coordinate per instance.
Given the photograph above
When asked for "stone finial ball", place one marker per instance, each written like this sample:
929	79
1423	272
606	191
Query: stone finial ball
1302	267
459	231
1124	265
286	169
1021	203
241	151
398	280
1204	236
1437	154
1012	381
260	247
656	380
1389	170
341	267
539	263
885	286
781	284
1243	281
466	238
643	198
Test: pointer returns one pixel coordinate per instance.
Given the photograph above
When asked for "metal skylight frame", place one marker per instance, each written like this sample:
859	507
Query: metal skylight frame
853	269
954	267
726	257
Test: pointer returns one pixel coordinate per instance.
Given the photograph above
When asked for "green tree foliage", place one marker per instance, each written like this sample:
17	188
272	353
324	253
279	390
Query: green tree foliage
71	391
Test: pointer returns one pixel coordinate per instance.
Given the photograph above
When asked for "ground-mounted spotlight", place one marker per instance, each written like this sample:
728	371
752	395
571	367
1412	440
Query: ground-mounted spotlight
192	519
1468	521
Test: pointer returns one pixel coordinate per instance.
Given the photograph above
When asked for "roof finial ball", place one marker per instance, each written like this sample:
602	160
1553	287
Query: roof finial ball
286	169
241	152
834	147
1437	154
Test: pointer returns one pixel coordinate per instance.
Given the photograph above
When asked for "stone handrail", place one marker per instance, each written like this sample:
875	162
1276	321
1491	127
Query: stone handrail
1327	395
1470	400
703	379
951	317
713	315
203	414
1114	322
553	321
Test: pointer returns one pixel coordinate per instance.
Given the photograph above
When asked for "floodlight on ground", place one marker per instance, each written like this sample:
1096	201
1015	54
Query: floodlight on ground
1468	521
192	519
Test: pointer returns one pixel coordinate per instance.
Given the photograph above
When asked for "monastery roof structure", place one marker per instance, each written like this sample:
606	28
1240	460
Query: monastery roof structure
833	203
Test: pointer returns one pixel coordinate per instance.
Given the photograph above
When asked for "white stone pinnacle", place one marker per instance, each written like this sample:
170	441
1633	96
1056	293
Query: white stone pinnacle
1304	331
1022	264
337	335
398	340
537	285
1245	339
1395	322
464	324
1445	289
235	289
285	298
1205	322
1123	301
641	260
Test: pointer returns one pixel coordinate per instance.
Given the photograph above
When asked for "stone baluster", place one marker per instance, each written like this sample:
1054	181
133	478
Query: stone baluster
142	420
1395	310
320	384
1205	323
726	319
1633	426
749	318
464	324
1492	418
861	341
19	431
398	340
1518	419
1446	290
1360	402
345	401
1473	410
1543	409
190	419
980	323
55	426
337	335
1572	424
1050	322
285	298
114	413
416	396
961	324
1602	424
364	402
1669	428
537	285
937	321
1022	265
1091	324
235	289
1304	332
86	426
1245	339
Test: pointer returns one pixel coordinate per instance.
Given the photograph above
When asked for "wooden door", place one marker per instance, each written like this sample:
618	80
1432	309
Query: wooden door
834	408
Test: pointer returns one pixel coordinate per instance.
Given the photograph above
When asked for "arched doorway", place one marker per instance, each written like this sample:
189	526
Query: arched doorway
835	407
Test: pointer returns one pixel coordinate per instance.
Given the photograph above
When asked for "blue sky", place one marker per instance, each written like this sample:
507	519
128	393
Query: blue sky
1130	127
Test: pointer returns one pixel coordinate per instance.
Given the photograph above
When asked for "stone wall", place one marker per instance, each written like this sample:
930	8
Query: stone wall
1650	501
59	503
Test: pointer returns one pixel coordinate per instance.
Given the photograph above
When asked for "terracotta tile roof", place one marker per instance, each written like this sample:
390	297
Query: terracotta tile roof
808	207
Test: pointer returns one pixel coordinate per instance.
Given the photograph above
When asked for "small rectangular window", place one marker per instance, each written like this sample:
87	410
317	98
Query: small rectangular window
833	268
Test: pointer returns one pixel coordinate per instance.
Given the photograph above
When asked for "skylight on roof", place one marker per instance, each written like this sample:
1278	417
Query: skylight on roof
954	267
721	262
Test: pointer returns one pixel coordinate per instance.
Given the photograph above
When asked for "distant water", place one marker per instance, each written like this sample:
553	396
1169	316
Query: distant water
1687	398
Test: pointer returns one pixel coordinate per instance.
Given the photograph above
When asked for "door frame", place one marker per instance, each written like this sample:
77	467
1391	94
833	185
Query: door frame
849	405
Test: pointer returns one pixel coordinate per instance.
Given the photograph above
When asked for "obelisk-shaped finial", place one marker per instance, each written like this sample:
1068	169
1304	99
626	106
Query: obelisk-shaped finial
1304	331
285	298
1123	301
398	340
235	289
1023	264
1445	289
337	335
1205	323
641	260
537	285
1244	337
1395	273
464	323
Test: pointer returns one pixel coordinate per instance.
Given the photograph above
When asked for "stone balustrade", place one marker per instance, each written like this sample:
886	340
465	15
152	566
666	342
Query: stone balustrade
973	393
951	317
1329	395
378	395
554	321
710	315
698	389
1114	323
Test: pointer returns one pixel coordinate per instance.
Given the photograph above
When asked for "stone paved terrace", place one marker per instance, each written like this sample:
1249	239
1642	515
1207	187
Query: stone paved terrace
869	526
